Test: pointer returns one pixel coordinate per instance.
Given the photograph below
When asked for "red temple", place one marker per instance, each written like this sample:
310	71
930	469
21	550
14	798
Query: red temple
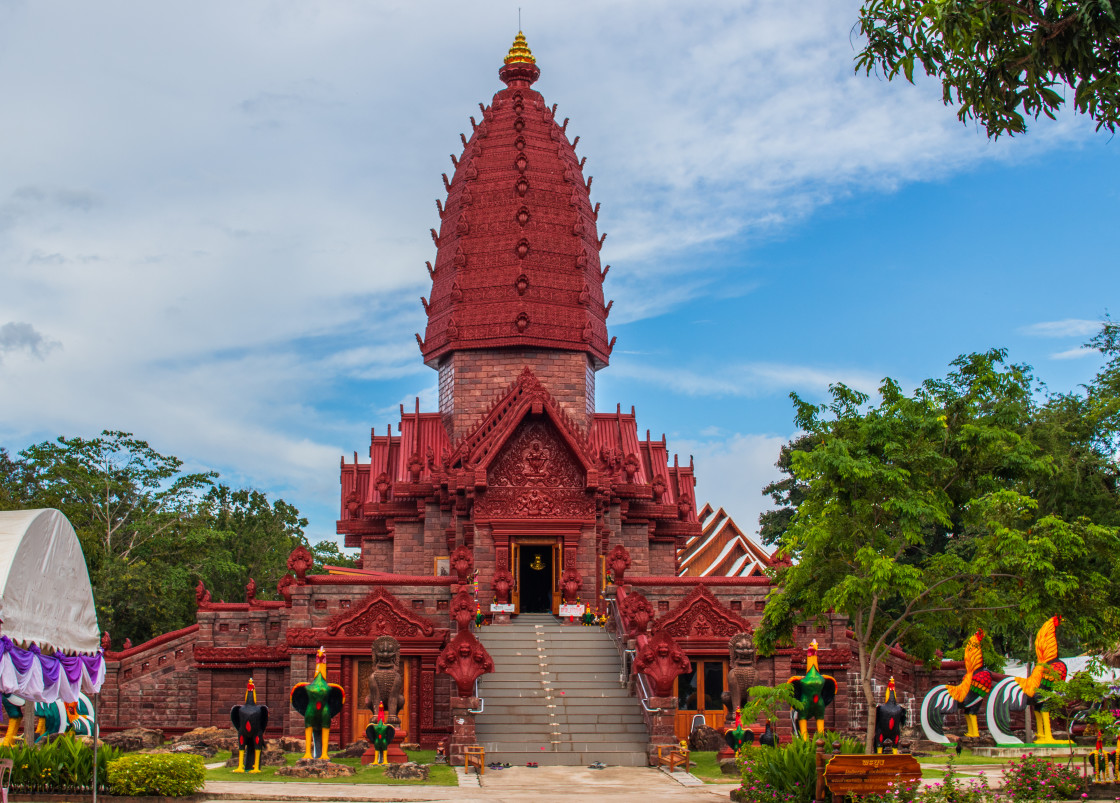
515	472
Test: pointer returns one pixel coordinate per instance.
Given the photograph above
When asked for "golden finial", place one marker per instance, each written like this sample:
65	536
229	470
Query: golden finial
519	52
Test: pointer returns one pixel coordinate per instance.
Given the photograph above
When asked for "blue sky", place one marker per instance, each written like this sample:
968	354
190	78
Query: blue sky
214	221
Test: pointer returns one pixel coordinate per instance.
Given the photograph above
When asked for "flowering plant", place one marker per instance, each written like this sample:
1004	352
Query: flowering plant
1035	778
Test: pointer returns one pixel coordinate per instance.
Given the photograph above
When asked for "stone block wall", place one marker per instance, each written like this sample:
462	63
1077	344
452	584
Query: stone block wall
153	684
469	381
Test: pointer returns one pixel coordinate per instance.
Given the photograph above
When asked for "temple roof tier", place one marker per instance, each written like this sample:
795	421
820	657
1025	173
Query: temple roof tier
517	253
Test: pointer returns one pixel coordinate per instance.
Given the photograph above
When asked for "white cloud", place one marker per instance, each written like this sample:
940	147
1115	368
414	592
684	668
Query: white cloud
732	471
747	380
1074	354
225	218
1070	327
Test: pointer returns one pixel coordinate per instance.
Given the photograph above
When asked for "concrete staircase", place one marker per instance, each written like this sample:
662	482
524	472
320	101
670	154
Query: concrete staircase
554	697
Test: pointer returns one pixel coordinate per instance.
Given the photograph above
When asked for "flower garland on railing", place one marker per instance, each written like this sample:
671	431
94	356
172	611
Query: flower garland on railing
44	678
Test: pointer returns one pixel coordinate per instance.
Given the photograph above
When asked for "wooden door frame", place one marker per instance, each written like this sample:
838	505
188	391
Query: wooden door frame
712	718
557	544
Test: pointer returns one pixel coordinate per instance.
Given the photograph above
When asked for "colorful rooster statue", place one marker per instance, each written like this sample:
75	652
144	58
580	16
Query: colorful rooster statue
479	618
967	696
379	734
13	708
318	702
249	719
738	736
768	737
1103	762
814	690
890	719
60	717
1015	694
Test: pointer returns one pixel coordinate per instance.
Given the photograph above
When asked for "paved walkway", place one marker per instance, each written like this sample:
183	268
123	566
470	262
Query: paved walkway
542	785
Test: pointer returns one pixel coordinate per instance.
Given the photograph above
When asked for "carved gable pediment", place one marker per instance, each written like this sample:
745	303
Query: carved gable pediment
535	474
701	616
380	614
526	396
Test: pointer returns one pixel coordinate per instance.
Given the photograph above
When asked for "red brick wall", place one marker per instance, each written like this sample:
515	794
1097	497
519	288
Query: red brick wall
153	688
377	555
469	381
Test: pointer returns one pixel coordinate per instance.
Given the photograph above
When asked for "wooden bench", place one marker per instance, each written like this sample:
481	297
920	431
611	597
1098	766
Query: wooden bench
672	755
474	755
863	775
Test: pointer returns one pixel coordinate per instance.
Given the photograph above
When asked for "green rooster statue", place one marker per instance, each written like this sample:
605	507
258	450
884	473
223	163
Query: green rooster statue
380	735
814	690
318	702
738	736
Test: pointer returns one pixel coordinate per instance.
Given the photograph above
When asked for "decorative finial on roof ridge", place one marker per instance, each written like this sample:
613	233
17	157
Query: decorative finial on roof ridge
520	67
519	51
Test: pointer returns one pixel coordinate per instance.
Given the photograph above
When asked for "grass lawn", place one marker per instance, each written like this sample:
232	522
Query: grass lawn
439	774
964	759
706	768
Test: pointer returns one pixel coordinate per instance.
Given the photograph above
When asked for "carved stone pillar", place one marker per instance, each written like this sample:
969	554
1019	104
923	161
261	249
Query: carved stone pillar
462	728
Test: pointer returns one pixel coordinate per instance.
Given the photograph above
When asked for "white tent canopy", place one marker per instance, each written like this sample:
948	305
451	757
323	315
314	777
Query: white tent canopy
50	645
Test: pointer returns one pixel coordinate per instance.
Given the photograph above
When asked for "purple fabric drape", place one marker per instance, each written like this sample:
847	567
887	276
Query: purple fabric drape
51	664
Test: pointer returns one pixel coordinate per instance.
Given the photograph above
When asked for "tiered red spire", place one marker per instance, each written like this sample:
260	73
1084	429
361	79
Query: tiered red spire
517	261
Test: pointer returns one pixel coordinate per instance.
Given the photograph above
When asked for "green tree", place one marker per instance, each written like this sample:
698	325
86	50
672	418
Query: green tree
250	539
151	531
1000	61
327	553
787	493
126	501
17	488
917	520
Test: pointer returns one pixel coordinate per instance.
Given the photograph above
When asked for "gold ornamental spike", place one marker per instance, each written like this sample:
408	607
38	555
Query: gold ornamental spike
519	53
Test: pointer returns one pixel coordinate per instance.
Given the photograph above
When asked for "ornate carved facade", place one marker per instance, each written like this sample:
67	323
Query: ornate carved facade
515	489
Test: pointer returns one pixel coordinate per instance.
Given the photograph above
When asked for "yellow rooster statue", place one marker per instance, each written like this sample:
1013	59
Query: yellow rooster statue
1017	694
966	696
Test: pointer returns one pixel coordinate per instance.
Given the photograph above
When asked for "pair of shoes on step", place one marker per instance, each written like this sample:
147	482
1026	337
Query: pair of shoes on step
532	764
598	765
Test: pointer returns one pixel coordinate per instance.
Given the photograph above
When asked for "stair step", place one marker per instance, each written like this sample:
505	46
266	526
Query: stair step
518	758
557	687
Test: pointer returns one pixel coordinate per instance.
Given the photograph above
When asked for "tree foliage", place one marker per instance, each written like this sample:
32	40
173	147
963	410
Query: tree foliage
1001	61
151	531
964	504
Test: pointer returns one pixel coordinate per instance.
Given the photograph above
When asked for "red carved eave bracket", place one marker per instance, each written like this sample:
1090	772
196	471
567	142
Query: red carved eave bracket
151	643
374	526
701	617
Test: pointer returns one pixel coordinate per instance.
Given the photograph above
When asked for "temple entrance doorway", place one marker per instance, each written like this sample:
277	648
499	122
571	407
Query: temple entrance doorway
536	563
535	569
